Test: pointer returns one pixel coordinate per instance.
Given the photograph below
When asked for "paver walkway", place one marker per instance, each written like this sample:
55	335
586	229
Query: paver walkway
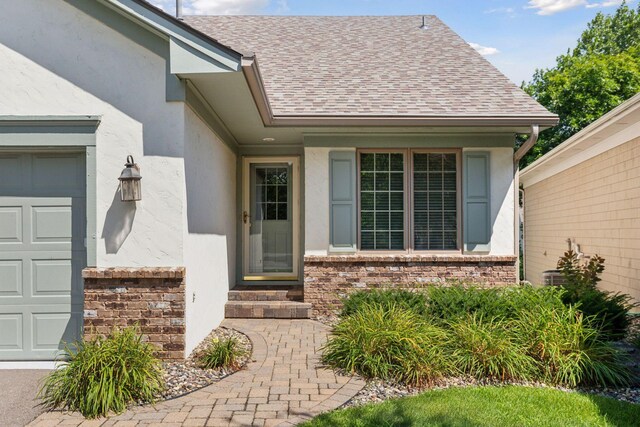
283	385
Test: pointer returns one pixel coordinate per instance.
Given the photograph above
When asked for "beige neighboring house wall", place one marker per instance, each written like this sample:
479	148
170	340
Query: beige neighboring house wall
588	190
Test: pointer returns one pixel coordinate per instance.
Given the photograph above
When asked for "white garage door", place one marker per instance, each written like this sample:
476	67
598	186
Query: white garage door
42	252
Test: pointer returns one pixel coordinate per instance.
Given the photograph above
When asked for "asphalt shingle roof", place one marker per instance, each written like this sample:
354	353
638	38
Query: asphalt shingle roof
369	66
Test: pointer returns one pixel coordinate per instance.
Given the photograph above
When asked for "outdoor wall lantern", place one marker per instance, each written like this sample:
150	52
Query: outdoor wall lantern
130	188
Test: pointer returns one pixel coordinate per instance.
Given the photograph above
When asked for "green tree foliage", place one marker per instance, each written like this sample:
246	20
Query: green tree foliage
600	73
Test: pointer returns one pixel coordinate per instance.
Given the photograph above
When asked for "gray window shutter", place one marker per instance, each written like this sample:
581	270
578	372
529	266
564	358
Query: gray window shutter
342	201
477	201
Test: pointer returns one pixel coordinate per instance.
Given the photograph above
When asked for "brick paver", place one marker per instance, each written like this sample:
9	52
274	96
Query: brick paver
283	385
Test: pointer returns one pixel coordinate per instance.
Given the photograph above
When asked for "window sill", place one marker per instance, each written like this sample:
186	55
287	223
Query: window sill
408	258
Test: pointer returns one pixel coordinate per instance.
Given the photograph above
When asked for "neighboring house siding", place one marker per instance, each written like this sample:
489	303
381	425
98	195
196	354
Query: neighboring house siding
56	60
210	232
597	204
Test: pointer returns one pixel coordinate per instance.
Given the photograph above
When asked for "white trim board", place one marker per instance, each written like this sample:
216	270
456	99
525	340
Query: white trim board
48	365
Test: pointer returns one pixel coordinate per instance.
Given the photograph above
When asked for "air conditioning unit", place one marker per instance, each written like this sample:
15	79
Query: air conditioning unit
552	278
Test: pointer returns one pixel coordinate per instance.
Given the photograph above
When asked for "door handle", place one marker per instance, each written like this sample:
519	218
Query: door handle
245	217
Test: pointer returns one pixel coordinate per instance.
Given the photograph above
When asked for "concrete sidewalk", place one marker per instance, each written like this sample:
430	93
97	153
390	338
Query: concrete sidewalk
18	389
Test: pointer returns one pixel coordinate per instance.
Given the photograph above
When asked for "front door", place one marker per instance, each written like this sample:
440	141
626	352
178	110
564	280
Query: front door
271	219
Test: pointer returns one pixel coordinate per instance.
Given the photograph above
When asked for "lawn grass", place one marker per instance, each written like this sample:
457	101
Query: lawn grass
488	406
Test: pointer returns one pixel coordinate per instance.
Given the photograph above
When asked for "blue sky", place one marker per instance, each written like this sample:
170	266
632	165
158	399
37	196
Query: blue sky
517	36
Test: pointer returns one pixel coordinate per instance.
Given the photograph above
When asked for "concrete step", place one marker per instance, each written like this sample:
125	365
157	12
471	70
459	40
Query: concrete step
267	310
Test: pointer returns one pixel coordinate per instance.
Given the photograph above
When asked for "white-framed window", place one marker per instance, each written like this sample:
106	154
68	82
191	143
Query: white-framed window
409	200
382	200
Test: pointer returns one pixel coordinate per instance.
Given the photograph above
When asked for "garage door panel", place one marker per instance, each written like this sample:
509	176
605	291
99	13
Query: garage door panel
11	278
11	326
52	277
11	224
38	332
52	224
52	330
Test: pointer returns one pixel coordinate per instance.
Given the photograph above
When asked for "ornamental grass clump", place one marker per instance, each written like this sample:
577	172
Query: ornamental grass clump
569	349
104	375
508	334
488	348
390	343
226	353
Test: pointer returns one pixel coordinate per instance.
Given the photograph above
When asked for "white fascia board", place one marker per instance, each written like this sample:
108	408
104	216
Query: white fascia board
228	60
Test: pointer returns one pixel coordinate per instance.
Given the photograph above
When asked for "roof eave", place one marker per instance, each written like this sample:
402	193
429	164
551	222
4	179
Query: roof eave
417	121
255	82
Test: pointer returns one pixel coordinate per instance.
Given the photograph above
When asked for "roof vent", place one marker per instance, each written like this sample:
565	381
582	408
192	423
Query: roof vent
179	9
424	25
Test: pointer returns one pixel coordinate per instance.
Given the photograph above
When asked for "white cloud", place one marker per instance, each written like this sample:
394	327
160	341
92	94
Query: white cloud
484	50
550	7
216	7
605	4
168	6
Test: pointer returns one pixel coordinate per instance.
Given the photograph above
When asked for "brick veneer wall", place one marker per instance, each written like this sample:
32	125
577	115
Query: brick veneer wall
329	278
153	298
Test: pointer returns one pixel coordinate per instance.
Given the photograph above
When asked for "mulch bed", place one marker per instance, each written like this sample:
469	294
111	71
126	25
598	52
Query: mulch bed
187	376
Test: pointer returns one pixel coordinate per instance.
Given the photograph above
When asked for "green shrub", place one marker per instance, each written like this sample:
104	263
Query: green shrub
611	311
568	348
487	348
452	302
449	303
415	301
225	353
104	375
390	343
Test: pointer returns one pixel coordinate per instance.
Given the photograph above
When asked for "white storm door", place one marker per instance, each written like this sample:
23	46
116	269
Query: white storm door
271	218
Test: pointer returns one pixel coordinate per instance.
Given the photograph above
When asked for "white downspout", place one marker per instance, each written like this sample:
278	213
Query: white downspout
519	154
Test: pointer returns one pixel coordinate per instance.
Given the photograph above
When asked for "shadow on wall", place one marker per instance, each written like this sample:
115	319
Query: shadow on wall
118	223
210	168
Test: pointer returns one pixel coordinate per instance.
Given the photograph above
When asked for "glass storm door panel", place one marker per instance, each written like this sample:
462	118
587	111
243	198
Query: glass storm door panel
270	219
